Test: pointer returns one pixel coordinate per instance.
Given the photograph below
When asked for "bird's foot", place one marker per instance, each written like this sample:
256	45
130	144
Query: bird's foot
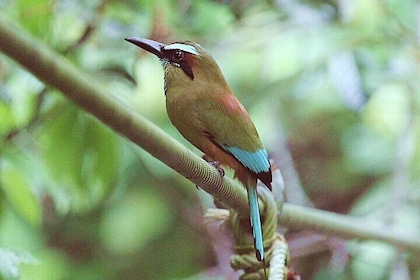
216	164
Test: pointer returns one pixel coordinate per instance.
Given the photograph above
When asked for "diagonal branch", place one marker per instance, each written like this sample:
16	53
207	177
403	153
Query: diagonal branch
56	71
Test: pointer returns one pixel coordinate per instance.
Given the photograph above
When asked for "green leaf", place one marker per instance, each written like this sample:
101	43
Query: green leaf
140	218
35	15
81	154
371	258
18	193
7	123
211	18
10	262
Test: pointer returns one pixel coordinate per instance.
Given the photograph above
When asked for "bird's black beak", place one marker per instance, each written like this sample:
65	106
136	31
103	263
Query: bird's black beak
148	45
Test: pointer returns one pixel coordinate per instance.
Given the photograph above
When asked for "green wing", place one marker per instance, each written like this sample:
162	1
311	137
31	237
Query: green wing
229	125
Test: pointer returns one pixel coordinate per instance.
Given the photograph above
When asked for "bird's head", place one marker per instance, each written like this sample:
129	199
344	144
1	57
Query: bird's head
185	63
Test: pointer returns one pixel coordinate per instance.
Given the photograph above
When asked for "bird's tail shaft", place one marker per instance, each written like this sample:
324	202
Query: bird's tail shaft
255	222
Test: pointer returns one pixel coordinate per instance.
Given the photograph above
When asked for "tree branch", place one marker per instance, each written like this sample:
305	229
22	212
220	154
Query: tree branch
328	223
56	71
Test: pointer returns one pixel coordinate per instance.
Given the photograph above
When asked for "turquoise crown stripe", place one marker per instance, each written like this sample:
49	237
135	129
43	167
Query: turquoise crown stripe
183	47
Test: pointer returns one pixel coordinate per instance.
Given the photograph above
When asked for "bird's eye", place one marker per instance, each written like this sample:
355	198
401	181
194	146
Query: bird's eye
177	56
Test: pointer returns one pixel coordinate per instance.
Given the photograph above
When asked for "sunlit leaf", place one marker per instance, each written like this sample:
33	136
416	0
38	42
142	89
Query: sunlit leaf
19	194
10	262
210	17
8	121
139	218
372	259
35	15
81	154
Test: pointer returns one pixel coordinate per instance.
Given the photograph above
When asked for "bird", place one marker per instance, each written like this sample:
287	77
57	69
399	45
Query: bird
201	105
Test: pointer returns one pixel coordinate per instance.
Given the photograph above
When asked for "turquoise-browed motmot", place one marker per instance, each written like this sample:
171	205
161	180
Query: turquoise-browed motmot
203	108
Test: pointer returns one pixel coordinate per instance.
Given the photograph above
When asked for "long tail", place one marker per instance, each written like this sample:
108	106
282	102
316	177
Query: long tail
256	222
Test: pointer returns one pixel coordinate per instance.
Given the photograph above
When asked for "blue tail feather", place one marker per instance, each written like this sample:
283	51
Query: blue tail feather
256	222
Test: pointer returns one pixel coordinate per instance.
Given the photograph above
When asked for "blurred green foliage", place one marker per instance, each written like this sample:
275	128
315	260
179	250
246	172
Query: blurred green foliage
334	81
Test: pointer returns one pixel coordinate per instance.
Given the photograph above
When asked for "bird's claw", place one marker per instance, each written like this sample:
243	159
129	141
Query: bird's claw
216	164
